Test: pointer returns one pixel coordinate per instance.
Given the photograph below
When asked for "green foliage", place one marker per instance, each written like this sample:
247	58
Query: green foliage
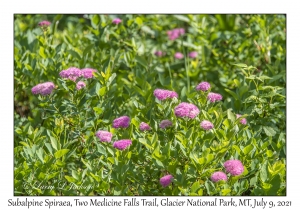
243	57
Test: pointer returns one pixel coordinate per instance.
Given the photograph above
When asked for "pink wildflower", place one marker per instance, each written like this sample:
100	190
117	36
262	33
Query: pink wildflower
161	94
104	136
43	88
88	73
159	53
206	125
234	167
178	55
193	54
116	21
80	85
44	23
243	120
175	33
121	122
165	123
213	97
122	144
204	86
71	73
144	127
186	110
166	180
217	176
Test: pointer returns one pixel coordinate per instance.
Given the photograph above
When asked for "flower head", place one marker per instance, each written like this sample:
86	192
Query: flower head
178	55
175	33
116	21
206	125
71	73
193	54
144	127
43	88
204	86
80	85
234	167
161	94
165	123
186	110
44	23
87	73
122	144
243	120
213	97
166	180
104	136
217	176
121	122
159	53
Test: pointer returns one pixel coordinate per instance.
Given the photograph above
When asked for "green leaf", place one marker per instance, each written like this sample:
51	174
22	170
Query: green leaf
195	187
230	115
141	61
53	142
60	153
75	174
275	185
232	93
182	17
49	148
269	131
139	21
95	20
39	153
42	52
248	149
102	91
70	179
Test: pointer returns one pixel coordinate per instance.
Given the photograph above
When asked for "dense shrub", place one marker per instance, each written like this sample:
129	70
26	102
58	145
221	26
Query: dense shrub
150	105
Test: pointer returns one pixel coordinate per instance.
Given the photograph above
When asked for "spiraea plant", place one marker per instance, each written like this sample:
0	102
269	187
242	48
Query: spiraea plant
150	105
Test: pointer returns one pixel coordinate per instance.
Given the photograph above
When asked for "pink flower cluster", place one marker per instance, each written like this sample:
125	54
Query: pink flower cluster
193	54
88	73
213	97
43	88
80	85
104	136
206	125
243	120
159	53
175	33
161	94
122	144
186	110
166	180
144	127
165	123
178	55
121	122
203	86
217	176
73	73
116	21
44	23
234	167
